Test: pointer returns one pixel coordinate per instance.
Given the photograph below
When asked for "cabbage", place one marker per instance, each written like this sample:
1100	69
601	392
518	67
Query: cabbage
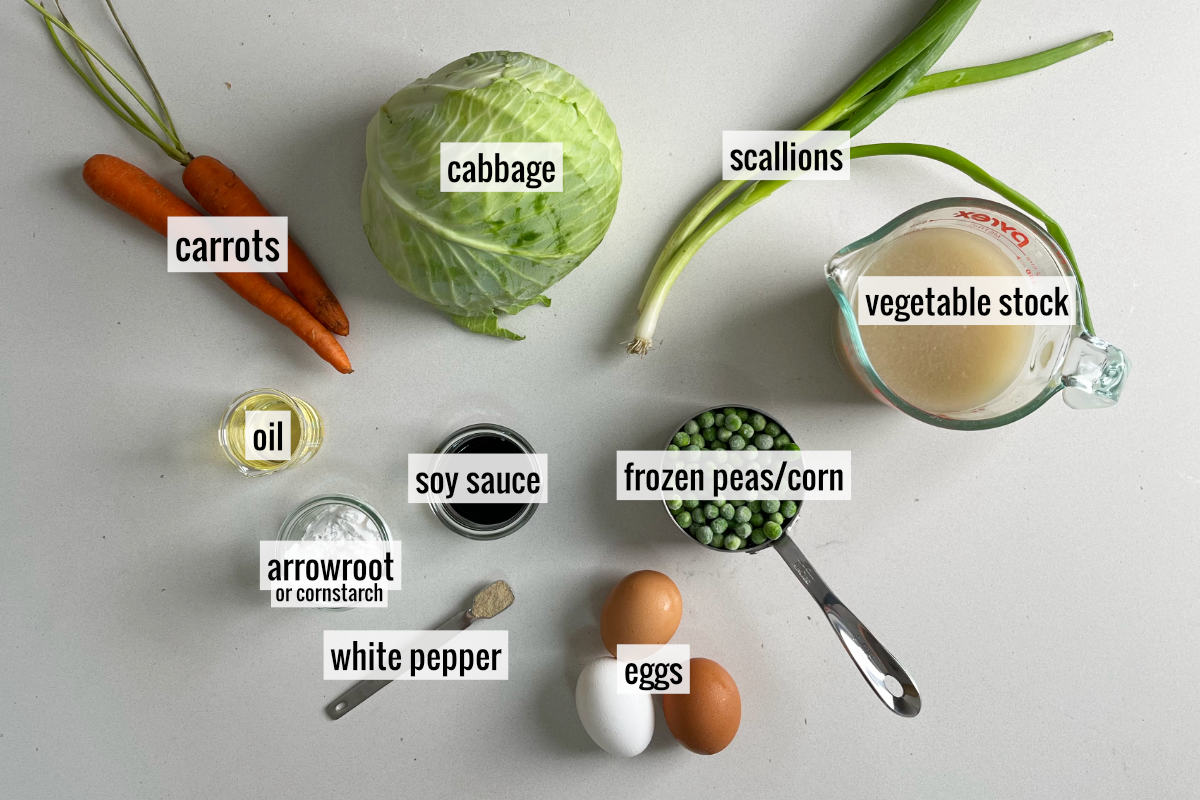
475	255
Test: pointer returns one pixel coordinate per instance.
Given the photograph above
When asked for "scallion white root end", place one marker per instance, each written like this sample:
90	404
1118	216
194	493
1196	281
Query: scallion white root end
639	347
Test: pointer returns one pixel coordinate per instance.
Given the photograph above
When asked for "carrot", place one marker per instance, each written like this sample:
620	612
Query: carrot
218	190
221	192
130	189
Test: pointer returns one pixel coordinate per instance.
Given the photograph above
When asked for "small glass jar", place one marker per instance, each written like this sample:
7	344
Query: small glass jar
296	524
484	522
307	431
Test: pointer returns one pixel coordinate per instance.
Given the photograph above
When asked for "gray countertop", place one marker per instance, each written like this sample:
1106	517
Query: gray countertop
1037	581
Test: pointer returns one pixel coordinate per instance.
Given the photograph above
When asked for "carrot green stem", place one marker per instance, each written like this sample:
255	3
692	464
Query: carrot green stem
168	140
137	57
97	74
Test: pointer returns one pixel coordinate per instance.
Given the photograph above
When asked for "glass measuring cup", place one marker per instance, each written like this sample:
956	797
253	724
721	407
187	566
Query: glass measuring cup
882	672
1089	371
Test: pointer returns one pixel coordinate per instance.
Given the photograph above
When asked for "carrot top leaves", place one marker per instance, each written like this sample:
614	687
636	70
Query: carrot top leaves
153	122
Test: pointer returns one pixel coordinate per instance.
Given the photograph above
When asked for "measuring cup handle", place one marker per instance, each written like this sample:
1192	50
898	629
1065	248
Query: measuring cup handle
1094	372
872	659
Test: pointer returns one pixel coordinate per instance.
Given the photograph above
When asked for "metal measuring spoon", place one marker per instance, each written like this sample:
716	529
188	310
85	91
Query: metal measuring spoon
886	677
490	601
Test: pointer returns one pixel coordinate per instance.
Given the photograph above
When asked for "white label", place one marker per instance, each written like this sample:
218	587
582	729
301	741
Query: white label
733	475
655	668
478	478
501	166
785	155
323	574
475	655
227	244
958	300
268	435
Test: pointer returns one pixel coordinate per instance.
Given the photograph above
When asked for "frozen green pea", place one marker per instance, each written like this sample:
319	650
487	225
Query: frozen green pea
673	447
693	448
733	422
743	514
736	442
764	442
771	429
770	506
782	439
718	446
728	411
690	504
717	540
724	435
684	519
757	536
719	419
758	421
747	431
728	511
691	428
733	542
711	511
792	446
674	504
742	529
705	420
788	508
681	439
777	518
709	434
749	447
755	506
772	530
756	520
719	525
704	535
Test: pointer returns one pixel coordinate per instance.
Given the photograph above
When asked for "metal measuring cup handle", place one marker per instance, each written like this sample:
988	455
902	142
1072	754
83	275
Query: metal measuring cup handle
872	659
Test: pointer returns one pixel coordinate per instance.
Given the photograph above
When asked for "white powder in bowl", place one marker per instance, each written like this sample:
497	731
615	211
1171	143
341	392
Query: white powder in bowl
338	522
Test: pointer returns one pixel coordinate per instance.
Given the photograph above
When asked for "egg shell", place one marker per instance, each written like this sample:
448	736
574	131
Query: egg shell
621	724
644	608
706	720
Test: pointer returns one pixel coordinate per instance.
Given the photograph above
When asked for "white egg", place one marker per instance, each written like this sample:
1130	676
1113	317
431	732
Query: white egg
622	724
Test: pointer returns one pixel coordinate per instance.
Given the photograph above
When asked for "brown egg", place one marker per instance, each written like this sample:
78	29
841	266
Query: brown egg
706	720
644	608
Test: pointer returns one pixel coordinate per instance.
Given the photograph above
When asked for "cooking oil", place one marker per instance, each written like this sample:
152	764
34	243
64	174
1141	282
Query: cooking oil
306	430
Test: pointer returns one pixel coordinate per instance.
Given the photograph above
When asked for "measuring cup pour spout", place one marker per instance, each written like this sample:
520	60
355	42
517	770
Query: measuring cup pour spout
1093	373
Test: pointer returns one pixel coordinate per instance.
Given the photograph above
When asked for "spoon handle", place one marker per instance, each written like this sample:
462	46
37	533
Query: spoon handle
348	700
344	703
885	675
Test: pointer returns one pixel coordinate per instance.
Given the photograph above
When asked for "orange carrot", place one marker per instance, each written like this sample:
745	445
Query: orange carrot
133	191
220	192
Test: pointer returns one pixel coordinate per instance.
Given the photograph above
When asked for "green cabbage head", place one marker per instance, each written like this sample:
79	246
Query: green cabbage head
475	255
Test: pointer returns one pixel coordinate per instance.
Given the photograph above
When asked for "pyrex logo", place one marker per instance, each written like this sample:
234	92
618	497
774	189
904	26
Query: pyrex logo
1017	236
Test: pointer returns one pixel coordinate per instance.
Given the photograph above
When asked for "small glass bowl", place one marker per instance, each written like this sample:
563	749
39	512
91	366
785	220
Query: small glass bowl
312	432
456	522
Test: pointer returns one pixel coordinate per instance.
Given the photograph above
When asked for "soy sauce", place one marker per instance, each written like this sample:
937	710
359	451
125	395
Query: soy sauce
487	514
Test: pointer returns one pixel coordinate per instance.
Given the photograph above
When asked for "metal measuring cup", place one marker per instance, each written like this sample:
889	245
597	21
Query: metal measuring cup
882	672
